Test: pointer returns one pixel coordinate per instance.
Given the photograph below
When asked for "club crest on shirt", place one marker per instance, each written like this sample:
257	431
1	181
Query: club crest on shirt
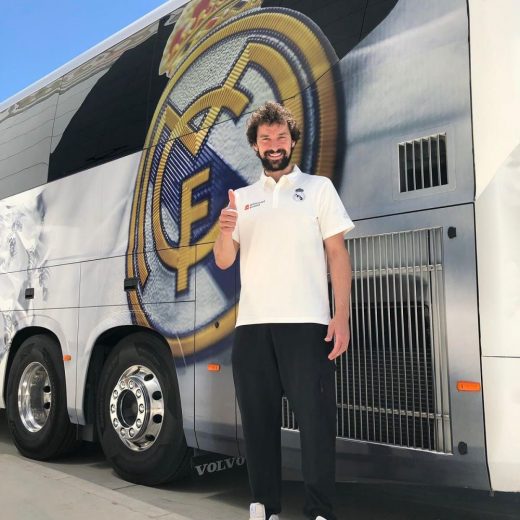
299	195
223	59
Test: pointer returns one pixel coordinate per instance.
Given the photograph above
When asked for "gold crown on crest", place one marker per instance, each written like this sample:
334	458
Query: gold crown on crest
198	18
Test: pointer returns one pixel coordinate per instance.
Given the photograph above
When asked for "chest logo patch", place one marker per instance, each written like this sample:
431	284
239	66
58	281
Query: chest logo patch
299	195
254	205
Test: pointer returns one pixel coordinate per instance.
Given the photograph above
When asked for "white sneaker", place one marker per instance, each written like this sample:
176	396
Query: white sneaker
257	512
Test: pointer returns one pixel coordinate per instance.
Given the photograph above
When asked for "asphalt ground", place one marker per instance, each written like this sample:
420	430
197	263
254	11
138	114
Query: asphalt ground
83	485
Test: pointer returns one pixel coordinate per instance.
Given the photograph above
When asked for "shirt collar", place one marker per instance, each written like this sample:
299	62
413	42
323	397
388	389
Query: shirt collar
290	178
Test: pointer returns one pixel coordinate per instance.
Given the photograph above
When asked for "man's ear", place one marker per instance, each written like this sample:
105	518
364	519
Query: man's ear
255	148
293	144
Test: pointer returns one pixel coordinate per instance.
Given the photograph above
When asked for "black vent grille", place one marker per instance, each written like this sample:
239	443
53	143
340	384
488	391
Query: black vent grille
391	385
423	163
390	389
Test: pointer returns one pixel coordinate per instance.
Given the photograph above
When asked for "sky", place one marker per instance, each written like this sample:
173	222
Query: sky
38	36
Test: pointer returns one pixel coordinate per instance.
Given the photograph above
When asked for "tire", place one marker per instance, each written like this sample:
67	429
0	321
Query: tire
139	416
38	420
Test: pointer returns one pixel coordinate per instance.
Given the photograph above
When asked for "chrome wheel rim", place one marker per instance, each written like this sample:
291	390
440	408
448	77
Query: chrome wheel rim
136	408
34	397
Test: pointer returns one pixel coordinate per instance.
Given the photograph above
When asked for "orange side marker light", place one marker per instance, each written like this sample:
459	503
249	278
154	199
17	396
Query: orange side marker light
67	357
213	367
468	386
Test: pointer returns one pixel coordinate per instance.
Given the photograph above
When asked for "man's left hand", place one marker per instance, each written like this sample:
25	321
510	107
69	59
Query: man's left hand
339	330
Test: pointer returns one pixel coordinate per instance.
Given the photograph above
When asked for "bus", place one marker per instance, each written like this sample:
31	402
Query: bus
116	323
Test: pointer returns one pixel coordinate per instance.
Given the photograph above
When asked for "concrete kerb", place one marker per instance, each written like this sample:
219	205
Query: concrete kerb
28	488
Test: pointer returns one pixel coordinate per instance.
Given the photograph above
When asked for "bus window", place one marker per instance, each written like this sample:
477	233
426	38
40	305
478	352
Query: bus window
25	139
102	107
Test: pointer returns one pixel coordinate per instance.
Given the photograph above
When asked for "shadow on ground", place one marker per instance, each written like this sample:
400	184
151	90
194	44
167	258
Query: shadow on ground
225	495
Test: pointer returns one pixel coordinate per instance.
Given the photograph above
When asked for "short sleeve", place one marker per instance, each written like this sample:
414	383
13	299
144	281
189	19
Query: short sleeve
332	215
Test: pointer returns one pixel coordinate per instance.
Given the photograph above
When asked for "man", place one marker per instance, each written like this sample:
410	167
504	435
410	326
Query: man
288	225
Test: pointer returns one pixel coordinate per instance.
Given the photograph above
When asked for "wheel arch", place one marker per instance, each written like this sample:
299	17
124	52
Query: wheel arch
18	340
101	349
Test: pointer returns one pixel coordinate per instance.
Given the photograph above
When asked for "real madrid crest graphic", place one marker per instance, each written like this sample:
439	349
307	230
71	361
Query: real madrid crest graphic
224	58
299	195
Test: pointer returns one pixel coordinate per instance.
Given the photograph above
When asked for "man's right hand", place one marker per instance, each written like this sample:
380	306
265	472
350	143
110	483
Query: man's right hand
229	215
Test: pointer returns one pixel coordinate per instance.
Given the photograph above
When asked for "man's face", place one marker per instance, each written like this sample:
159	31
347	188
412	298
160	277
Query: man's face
274	146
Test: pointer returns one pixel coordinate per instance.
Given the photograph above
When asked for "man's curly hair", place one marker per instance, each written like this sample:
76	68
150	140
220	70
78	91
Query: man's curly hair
268	114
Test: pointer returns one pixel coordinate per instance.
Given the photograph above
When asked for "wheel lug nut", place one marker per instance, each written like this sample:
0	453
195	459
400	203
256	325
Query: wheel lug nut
131	384
138	393
112	408
123	433
138	423
122	384
116	393
141	408
116	423
131	432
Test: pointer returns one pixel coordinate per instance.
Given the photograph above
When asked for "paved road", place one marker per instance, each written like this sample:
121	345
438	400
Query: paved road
84	485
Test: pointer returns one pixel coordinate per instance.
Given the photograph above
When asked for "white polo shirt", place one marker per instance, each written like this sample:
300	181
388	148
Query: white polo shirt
281	228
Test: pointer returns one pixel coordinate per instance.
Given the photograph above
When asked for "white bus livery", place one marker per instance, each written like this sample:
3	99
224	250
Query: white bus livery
116	325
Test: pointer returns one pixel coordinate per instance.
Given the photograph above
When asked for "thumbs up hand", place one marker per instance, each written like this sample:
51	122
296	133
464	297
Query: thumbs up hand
232	201
229	215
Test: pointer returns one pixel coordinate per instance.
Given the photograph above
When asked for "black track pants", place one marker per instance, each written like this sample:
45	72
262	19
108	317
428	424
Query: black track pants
287	358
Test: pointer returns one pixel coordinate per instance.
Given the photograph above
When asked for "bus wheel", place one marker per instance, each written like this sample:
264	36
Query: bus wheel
36	401
139	413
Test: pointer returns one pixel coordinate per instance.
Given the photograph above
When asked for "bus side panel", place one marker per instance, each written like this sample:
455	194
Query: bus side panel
495	53
497	217
406	81
49	231
406	87
409	272
64	324
495	81
496	105
502	419
53	306
215	404
87	214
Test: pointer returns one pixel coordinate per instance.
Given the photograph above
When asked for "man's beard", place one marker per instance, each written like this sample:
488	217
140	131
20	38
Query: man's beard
280	164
